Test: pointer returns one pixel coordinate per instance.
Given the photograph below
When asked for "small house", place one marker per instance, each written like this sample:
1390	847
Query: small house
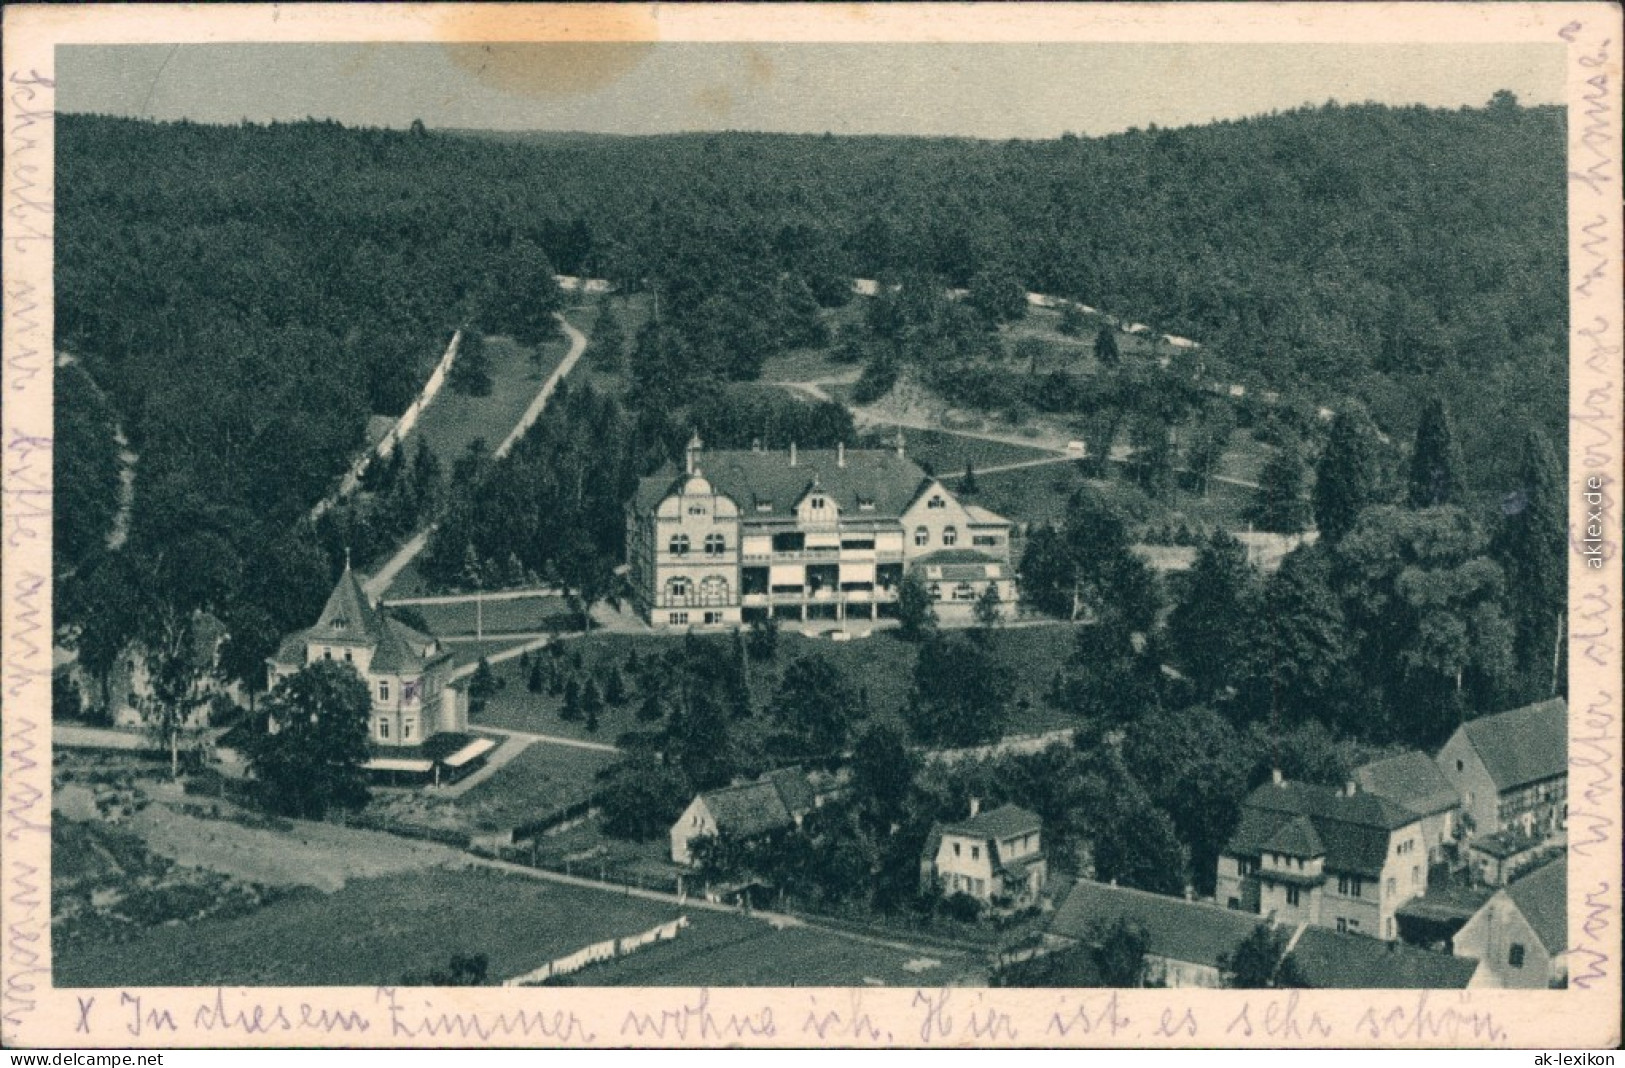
773	804
996	857
1520	936
1511	769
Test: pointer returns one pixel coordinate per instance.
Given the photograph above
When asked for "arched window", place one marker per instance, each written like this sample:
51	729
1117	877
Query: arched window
678	589
715	544
921	536
714	590
950	536
679	545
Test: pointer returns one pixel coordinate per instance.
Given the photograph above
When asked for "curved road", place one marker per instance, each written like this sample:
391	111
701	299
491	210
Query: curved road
377	584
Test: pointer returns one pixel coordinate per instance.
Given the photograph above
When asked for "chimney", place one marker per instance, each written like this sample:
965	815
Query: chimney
1350	788
755	444
900	452
840	454
792	454
693	453
1275	777
975	806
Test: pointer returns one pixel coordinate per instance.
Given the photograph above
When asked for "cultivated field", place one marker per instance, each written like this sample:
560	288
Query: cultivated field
379	931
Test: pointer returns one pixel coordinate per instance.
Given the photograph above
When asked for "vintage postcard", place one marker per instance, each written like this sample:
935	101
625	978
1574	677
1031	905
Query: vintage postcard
853	525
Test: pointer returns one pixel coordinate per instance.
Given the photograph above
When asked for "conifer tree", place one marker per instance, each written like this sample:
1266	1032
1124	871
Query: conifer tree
1435	477
1531	546
1279	506
1208	625
1106	351
570	711
1345	478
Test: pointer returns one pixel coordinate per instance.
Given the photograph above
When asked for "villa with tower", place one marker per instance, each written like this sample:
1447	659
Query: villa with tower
806	535
418	723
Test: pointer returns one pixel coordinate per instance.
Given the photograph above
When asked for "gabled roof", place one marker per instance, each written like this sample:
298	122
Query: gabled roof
1191	931
771	803
794	789
880	477
1006	821
1543	898
748	810
1354	830
1523	745
1331	960
1296	838
1411	779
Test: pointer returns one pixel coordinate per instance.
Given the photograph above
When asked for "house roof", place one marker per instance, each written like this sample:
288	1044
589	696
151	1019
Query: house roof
1296	838
1331	960
771	803
1354	830
1192	931
349	615
1523	745
350	618
879	476
1411	779
1543	898
1006	821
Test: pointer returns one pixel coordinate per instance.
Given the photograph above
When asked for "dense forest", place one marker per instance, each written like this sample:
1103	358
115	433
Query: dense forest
245	298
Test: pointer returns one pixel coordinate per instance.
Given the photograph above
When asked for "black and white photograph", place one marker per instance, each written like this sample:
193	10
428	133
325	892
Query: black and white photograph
1008	515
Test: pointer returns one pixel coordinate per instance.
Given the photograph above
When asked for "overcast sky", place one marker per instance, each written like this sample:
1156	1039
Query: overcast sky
977	90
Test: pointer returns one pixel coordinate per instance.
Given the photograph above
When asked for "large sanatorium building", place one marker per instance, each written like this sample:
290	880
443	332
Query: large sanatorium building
742	535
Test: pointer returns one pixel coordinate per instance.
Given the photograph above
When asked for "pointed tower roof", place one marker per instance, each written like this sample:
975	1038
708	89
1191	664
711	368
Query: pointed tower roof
348	615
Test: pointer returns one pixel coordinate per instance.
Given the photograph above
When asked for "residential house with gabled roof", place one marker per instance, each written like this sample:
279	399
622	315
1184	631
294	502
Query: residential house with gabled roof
1305	853
1520	935
775	803
1186	940
996	856
1413	780
408	674
1511	769
806	535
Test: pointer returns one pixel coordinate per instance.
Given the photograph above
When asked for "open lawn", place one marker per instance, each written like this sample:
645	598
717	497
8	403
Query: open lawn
946	453
542	779
455	419
881	665
523	615
1040	495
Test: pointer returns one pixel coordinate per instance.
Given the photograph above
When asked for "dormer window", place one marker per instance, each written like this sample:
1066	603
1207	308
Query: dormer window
764	506
866	504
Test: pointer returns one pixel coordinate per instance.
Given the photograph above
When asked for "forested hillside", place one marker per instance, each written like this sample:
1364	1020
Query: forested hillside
246	297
